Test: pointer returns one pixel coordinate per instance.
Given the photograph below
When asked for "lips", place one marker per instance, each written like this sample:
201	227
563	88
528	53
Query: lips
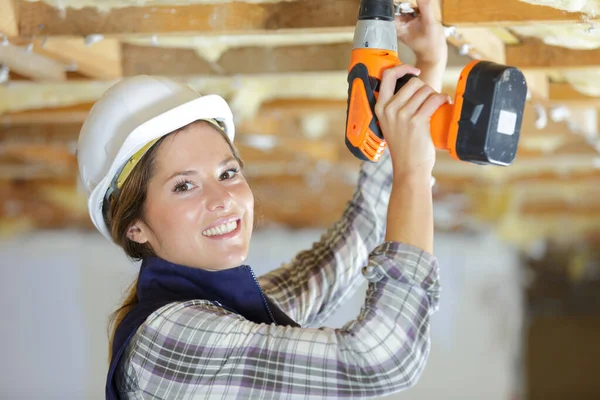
223	228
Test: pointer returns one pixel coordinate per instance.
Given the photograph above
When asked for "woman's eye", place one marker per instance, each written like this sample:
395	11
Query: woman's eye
230	173
183	187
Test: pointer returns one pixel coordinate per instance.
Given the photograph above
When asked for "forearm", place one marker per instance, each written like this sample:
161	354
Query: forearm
432	72
410	212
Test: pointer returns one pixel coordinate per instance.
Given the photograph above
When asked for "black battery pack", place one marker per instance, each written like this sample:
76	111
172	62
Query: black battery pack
492	114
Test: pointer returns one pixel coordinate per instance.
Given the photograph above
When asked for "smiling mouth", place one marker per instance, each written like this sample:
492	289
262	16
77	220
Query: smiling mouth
223	231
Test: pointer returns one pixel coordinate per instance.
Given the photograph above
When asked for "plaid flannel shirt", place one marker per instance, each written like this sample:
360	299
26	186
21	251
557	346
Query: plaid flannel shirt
195	349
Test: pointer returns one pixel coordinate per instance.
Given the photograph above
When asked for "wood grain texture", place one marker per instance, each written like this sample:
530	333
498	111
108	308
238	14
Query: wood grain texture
244	60
533	53
9	18
41	19
507	12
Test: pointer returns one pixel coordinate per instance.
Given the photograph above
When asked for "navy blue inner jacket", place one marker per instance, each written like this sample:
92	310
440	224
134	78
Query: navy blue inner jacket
161	282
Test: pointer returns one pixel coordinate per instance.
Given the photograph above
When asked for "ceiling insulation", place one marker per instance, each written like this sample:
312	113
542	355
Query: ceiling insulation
573	36
586	6
212	47
106	5
585	80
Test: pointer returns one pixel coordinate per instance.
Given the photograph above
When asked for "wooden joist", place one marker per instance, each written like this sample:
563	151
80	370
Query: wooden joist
564	93
101	60
502	13
111	58
30	64
39	18
532	53
244	60
9	26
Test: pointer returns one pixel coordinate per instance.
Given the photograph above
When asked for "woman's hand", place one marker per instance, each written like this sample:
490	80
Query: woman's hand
404	118
424	35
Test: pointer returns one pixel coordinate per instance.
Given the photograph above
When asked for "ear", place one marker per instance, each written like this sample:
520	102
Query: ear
137	233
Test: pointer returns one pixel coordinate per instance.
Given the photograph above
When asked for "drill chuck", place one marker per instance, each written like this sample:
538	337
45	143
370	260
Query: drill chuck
376	9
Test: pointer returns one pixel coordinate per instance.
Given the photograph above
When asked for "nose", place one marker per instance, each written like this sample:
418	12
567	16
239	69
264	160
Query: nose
217	197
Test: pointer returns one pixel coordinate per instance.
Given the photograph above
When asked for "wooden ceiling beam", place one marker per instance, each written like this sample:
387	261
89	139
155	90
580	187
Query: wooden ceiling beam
533	53
9	18
244	60
47	116
479	43
180	56
564	93
501	13
41	19
30	64
101	60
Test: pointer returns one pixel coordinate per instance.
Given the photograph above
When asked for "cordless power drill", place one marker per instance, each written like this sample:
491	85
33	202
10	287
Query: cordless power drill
483	124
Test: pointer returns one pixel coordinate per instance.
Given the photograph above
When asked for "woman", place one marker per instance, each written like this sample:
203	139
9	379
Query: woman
166	184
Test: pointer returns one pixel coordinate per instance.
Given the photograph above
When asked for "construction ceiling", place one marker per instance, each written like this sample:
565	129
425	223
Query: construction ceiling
282	65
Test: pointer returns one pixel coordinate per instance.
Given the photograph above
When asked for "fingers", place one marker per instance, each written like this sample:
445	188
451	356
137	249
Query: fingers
426	11
431	105
389	78
411	104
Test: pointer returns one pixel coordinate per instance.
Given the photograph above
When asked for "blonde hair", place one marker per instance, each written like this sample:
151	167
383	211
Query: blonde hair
128	208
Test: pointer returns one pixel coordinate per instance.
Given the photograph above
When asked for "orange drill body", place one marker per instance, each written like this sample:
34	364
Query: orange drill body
481	126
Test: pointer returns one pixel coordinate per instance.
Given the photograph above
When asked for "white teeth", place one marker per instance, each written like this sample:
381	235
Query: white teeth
221	229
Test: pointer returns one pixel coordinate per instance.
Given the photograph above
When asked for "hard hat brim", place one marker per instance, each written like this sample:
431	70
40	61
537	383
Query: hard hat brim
204	107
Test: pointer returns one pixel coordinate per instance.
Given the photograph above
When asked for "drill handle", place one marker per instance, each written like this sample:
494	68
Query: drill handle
364	138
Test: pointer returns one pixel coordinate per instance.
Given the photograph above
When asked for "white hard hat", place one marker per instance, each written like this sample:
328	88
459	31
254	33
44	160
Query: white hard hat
127	120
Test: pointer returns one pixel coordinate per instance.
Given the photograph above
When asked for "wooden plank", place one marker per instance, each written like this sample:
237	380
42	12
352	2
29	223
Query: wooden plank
267	57
39	18
565	93
75	114
501	13
245	60
9	18
31	65
562	207
101	60
538	84
532	53
479	43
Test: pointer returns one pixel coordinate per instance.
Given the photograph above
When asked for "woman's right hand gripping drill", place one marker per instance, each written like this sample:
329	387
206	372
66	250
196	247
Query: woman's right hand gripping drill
404	119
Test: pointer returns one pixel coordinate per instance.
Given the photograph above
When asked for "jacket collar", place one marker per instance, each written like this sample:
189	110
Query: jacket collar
236	289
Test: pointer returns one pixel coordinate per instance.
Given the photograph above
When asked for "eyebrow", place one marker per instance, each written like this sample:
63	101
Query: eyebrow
193	171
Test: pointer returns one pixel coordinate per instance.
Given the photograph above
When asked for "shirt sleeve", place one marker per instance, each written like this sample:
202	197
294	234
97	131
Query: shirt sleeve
193	348
318	280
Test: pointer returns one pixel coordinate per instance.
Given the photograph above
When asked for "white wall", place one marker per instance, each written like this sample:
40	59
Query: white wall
57	290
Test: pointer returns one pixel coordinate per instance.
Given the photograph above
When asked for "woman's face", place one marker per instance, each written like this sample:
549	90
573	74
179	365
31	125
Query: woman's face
199	207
